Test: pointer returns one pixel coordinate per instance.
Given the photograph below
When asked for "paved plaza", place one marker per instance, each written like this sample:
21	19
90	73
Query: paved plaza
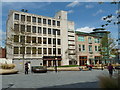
51	79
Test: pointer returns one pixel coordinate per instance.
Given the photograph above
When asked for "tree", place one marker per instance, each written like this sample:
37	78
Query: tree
107	46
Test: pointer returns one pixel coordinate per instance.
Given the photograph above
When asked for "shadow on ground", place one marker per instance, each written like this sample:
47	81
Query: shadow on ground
77	85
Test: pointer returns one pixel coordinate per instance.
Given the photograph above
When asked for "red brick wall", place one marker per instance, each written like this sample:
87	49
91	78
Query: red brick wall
2	53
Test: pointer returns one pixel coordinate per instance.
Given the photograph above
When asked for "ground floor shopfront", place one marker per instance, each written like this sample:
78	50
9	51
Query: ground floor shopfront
52	61
83	60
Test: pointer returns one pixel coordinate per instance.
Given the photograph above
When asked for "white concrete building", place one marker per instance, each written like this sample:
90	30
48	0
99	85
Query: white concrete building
40	39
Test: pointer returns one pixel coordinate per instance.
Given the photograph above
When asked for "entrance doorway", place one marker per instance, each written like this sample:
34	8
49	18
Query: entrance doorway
44	63
82	60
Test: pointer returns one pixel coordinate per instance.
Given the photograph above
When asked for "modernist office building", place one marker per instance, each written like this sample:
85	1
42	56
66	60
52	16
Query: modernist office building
42	40
87	46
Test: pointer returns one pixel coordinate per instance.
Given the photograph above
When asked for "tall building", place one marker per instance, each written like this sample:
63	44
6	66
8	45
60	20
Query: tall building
40	39
87	48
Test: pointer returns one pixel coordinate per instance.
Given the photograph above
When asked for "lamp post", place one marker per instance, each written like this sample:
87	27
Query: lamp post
55	50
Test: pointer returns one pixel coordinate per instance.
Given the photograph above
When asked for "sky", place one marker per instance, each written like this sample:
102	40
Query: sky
86	15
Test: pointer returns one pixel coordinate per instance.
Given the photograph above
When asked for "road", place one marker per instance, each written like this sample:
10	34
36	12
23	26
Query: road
51	79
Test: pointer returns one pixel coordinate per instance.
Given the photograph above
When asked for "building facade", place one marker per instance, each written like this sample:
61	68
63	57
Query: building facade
87	48
40	39
2	53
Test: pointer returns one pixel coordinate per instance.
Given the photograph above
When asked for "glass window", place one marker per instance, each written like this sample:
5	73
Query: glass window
59	51
54	31
33	39
33	19
90	40
44	41
58	23
96	48
97	40
44	21
81	38
16	50
29	18
39	50
44	50
59	41
58	32
54	41
28	51
22	39
28	28
39	30
28	39
90	47
39	20
44	30
22	17
49	22
39	40
34	29
49	50
99	48
54	50
83	47
49	40
22	28
49	30
16	27
54	22
16	38
79	47
16	16
22	50
34	50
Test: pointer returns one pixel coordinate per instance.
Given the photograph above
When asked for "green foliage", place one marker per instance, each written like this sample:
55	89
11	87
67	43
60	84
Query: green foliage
69	66
107	82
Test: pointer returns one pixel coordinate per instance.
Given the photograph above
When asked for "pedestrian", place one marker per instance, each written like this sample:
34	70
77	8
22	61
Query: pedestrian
90	67
102	66
26	68
110	69
56	68
29	66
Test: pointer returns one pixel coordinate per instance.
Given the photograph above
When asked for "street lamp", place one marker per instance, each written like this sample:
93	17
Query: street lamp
55	50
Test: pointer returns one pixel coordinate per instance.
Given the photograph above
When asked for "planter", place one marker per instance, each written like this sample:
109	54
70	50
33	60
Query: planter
8	71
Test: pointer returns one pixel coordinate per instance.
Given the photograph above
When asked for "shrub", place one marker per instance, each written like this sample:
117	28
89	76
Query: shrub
107	82
7	66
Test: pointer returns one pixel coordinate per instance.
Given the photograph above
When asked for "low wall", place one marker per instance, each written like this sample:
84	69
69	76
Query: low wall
19	64
4	60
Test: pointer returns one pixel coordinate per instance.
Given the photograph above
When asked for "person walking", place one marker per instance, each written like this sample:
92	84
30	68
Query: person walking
26	68
56	68
110	69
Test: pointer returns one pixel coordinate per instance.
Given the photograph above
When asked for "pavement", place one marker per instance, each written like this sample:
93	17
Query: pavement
51	79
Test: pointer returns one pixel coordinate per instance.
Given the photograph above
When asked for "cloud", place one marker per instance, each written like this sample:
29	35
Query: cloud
89	6
85	29
117	11
70	11
98	12
73	4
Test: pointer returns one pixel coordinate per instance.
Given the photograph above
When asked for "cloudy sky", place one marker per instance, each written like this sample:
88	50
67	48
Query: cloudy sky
86	15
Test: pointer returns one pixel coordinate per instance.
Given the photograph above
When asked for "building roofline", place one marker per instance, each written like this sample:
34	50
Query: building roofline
85	34
32	14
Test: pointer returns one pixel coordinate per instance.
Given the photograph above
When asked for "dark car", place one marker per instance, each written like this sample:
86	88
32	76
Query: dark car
39	69
117	67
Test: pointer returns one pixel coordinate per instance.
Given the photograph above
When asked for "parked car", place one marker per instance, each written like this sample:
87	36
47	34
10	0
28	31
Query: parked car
39	69
117	67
